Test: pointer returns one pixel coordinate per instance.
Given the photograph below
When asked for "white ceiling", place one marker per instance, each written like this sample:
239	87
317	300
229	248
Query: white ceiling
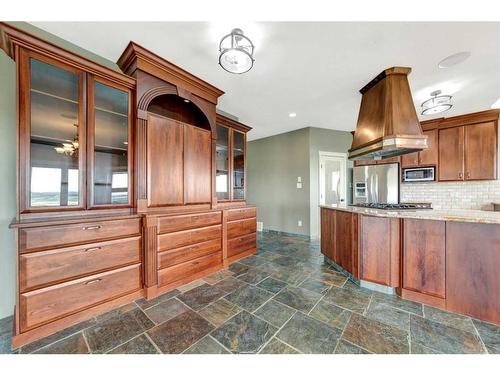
313	69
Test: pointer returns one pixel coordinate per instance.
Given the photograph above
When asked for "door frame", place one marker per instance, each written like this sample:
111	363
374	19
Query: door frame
321	155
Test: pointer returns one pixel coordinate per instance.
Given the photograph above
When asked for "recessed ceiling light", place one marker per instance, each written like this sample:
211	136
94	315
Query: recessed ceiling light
496	105
454	59
293	114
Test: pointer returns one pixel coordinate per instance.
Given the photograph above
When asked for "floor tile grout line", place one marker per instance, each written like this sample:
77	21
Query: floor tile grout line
276	333
153	343
53	342
123	343
86	342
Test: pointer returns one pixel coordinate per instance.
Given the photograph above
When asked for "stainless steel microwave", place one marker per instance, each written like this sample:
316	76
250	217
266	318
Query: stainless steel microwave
419	174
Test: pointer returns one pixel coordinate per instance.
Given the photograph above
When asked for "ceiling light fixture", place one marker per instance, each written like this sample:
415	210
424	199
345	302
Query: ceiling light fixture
236	52
453	60
187	101
292	115
437	103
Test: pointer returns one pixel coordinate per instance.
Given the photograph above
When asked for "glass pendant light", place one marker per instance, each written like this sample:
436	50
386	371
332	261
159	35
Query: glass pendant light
437	103
236	52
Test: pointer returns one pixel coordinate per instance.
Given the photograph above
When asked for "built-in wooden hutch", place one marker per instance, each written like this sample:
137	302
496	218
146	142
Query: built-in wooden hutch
129	183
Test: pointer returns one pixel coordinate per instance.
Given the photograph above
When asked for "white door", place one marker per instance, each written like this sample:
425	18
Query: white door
332	178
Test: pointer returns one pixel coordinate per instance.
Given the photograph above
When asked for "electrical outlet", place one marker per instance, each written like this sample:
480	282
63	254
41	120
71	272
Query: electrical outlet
299	185
299	223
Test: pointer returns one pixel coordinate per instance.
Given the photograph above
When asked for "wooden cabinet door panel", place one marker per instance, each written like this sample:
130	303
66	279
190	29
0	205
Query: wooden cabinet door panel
241	213
50	266
165	161
451	154
409	160
424	257
241	227
481	151
187	269
240	244
183	254
168	224
430	155
472	269
44	305
328	233
375	265
188	237
197	165
38	238
344	244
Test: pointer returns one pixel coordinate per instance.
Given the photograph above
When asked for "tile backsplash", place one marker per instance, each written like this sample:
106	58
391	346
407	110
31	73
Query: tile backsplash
453	195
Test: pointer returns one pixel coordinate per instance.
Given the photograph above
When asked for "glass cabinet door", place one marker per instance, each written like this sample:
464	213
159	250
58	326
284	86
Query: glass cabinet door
110	145
55	178
238	165
222	163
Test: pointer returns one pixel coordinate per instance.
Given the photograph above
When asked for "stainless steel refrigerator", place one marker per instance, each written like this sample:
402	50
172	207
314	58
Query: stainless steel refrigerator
376	184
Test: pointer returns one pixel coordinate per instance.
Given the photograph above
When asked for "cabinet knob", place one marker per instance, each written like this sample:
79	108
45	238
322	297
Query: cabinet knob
460	175
468	174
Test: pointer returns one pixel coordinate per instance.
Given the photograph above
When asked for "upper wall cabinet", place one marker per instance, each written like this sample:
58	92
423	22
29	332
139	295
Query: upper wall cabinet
74	137
468	152
230	160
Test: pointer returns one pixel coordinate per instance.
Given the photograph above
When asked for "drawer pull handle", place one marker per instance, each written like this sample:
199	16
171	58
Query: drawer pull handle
92	227
92	281
92	249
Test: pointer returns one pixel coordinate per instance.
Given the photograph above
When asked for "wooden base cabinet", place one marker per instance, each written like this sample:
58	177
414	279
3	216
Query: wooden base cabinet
424	260
241	231
472	270
379	250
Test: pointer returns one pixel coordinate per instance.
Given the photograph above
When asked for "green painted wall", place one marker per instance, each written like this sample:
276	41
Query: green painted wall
8	160
330	141
273	165
7	183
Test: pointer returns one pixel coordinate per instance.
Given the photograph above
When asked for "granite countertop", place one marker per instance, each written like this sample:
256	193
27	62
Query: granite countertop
470	216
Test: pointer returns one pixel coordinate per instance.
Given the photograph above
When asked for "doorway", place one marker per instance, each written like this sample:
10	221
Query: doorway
332	178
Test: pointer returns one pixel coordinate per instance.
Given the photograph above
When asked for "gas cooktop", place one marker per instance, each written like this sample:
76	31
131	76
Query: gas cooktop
395	206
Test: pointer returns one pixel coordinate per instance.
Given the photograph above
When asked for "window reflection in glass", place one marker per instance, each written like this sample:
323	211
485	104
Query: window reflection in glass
222	163
110	145
238	165
54	150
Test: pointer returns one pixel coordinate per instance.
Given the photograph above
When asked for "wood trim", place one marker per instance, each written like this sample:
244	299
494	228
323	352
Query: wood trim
423	298
11	36
230	123
136	57
20	339
241	255
150	238
465	119
224	238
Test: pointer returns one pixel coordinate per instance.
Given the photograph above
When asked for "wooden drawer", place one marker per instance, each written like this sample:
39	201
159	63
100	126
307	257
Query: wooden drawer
188	237
241	227
51	266
241	213
175	256
239	244
63	235
47	304
183	270
170	224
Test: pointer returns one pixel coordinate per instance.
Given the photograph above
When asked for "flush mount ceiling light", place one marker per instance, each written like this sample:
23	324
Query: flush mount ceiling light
236	52
437	103
453	60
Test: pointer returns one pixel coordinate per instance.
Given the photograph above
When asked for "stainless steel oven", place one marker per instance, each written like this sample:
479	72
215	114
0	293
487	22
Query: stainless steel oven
419	174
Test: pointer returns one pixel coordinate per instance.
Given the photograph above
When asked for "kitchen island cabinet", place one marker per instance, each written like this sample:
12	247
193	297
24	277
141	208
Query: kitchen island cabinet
445	259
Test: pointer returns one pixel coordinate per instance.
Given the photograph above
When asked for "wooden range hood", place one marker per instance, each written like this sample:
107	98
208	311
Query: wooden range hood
387	123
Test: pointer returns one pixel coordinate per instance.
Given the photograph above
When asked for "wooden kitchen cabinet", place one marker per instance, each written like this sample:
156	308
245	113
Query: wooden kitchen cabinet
379	250
428	157
424	260
328	233
480	151
346	241
468	152
472	274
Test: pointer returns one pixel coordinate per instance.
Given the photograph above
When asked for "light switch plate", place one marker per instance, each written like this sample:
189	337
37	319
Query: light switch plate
299	185
299	179
299	223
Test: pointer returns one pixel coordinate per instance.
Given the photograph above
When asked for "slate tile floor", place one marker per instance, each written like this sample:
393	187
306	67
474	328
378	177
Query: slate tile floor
284	300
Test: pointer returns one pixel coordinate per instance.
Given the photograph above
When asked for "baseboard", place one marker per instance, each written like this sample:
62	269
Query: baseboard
305	236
